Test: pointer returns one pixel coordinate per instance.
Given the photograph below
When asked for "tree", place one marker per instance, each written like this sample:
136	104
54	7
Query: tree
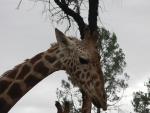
113	64
141	100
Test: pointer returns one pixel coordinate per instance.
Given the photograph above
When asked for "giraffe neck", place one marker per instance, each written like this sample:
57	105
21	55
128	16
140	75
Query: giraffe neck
15	83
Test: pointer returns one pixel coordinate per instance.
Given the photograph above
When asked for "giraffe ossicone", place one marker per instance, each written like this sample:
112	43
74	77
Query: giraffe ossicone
77	57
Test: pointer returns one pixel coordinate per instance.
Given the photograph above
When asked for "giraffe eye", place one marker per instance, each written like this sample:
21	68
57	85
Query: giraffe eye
83	61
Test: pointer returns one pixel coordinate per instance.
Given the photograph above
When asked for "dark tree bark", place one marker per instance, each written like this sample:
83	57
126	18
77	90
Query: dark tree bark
62	109
93	13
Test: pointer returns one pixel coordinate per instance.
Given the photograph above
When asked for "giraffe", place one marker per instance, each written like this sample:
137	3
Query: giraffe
79	58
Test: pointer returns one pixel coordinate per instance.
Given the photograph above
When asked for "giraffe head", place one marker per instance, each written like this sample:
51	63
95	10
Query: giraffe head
82	62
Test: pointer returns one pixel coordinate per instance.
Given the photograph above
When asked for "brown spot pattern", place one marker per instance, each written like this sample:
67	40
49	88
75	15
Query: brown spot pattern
83	76
4	85
81	82
89	82
15	91
74	68
36	58
57	51
88	74
61	55
70	70
71	64
51	59
78	73
65	61
94	77
31	80
25	70
4	107
41	68
12	73
53	49
85	70
97	83
57	65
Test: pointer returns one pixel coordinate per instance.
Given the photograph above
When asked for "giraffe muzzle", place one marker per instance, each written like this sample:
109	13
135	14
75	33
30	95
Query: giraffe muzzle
99	104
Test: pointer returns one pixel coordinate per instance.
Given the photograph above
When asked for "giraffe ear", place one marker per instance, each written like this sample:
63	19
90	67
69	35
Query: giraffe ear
61	38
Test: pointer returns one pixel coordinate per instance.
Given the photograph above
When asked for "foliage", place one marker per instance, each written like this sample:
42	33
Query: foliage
141	100
71	94
113	64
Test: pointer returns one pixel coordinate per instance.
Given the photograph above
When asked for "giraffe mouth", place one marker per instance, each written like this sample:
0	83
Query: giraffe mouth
99	104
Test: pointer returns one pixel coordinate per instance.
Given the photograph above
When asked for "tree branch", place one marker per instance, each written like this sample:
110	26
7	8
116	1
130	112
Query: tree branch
93	13
64	109
73	14
19	4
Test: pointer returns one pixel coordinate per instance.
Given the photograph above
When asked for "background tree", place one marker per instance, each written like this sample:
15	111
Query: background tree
141	100
113	64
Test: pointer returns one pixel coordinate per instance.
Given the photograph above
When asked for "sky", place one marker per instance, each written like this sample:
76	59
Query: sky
26	32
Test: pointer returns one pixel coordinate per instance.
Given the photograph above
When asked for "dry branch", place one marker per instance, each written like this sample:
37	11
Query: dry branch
76	16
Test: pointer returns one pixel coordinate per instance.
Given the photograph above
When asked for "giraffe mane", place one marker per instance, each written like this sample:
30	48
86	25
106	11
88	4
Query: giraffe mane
14	68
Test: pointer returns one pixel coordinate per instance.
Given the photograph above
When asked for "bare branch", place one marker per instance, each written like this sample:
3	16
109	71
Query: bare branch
69	24
73	14
18	6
